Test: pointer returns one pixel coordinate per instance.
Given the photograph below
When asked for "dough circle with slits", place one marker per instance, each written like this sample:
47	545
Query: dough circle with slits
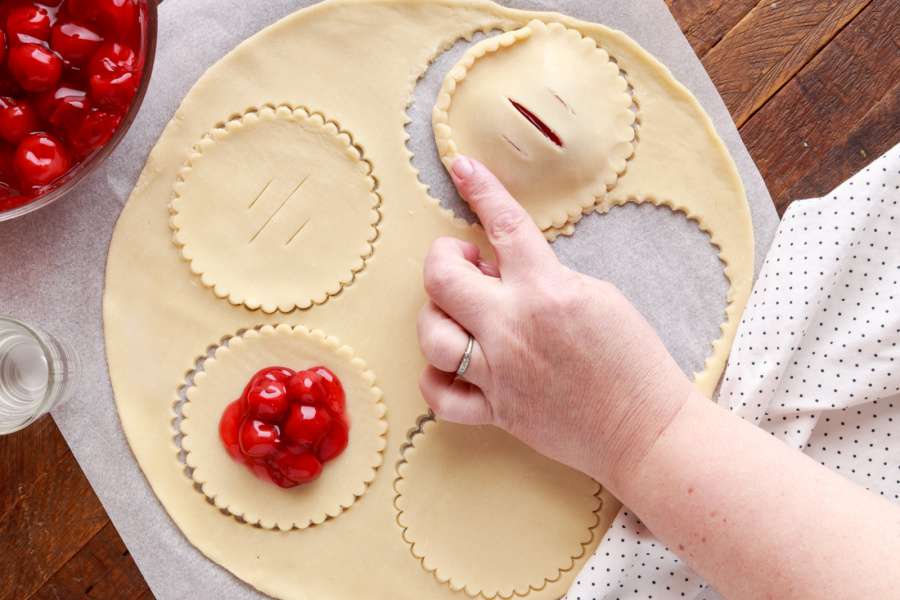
497	99
232	486
294	227
360	63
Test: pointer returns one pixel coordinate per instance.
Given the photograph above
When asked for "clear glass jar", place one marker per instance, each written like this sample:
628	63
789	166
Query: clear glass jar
37	373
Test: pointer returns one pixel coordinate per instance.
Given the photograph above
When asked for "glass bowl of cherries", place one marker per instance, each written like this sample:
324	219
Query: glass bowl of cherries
73	74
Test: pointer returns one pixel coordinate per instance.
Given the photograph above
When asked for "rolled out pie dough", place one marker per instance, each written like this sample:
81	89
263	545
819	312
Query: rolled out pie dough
357	63
231	486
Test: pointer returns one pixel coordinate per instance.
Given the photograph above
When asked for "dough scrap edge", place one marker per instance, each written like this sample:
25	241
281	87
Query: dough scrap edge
433	203
443	133
327	343
221	132
453	582
714	364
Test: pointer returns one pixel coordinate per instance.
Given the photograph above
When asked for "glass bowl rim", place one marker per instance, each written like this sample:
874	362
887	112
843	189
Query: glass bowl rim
80	172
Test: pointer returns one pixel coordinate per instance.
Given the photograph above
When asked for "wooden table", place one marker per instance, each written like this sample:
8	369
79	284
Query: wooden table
813	85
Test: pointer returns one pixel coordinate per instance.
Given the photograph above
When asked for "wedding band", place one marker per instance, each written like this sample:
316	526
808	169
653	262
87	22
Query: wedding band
466	358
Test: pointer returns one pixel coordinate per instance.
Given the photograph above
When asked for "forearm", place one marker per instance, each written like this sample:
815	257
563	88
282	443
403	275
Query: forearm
758	519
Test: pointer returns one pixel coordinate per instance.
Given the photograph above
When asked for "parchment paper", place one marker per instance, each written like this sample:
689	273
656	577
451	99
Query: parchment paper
52	262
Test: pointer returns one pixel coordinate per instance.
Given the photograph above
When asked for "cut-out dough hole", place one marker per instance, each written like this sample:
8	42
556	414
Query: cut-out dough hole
219	378
687	304
424	155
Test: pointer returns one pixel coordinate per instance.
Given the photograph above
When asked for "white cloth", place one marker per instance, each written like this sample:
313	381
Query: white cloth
816	363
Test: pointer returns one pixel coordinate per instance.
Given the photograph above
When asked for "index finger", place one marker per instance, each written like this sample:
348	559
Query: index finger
520	246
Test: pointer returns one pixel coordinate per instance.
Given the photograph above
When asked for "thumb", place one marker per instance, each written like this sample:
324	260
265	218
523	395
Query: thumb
520	246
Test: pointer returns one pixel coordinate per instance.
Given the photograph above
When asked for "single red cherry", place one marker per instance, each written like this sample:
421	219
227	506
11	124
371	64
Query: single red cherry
274	475
119	18
306	388
17	119
229	429
36	68
258	439
40	159
299	468
334	441
74	42
63	107
268	401
282	374
28	23
333	387
114	76
305	425
93	131
263	470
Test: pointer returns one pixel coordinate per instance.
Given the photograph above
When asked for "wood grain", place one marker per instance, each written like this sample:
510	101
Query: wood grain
827	101
48	524
873	135
706	22
25	457
814	86
102	569
749	66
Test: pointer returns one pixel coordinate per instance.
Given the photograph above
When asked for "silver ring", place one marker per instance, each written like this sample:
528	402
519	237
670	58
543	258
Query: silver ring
466	358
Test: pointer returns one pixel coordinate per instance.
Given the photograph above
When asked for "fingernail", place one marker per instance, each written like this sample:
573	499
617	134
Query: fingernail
462	167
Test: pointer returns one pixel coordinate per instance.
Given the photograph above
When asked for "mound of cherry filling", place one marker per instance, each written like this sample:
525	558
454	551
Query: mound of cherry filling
69	70
286	425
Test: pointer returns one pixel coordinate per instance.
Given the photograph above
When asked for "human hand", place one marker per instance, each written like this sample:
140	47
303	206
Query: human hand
562	361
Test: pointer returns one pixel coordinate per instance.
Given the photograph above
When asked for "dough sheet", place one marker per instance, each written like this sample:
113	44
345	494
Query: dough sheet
357	63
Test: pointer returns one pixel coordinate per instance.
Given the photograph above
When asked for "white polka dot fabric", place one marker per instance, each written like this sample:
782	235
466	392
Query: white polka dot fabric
816	363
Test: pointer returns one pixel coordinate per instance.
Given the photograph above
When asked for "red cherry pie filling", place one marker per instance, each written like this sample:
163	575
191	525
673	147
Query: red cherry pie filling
286	425
69	71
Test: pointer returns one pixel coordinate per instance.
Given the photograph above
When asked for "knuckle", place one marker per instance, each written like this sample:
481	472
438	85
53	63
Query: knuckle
427	392
437	280
437	253
430	342
422	329
481	189
558	297
442	244
607	289
506	223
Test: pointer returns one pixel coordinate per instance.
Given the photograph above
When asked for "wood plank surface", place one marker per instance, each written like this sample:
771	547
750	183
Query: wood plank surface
706	22
103	568
749	66
50	521
829	99
814	86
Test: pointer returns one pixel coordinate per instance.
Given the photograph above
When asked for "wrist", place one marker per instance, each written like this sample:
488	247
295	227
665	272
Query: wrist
636	428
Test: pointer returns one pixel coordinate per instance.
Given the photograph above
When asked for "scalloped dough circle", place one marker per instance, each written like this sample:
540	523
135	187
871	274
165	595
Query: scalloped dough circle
297	225
547	111
231	486
525	517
